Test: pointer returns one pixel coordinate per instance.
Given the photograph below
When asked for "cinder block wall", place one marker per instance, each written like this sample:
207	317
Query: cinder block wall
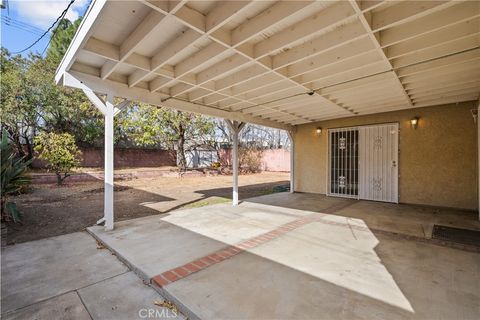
437	161
123	157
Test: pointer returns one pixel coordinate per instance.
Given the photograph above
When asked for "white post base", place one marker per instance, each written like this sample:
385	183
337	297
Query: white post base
235	128
292	160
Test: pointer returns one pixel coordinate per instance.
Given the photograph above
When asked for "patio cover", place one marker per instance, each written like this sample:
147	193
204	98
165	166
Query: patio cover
275	63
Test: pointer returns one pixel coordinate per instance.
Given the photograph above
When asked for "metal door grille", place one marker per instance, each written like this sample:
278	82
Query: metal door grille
343	167
378	158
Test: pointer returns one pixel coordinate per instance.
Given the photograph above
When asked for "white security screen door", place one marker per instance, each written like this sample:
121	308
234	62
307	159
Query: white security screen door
363	162
379	162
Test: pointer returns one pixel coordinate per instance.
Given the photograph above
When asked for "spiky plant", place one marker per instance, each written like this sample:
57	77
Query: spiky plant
14	179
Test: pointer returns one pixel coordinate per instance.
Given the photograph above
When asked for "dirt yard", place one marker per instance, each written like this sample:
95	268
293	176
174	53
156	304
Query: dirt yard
50	210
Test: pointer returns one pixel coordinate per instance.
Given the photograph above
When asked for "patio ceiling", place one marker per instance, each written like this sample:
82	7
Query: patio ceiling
279	63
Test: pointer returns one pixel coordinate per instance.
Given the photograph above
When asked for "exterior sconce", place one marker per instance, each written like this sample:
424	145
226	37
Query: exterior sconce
414	122
318	131
474	115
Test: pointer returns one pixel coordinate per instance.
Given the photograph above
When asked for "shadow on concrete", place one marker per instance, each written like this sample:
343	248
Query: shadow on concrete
319	270
245	192
406	219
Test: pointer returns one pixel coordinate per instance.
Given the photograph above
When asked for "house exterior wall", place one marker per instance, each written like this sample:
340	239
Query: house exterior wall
478	154
437	161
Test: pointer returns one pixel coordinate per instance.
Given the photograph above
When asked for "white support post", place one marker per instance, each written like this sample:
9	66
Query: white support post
292	160
235	168
108	180
109	110
235	128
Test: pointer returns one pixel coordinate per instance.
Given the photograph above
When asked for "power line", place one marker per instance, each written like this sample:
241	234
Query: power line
16	21
51	38
48	30
24	27
55	31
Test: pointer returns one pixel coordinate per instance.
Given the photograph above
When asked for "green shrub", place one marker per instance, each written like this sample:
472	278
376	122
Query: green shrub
60	151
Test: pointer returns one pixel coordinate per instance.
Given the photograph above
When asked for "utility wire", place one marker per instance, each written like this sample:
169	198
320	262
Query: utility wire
48	30
55	31
22	23
22	27
51	38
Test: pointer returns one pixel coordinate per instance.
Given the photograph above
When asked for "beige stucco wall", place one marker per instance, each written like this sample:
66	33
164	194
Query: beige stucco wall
437	161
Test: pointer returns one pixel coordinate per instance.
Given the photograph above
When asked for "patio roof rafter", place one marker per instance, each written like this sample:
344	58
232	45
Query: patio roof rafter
268	19
391	19
257	55
84	81
226	65
323	44
146	27
261	58
378	23
302	52
418	11
93	71
200	25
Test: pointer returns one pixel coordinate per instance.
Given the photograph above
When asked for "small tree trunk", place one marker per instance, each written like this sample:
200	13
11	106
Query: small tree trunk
59	178
16	140
4	234
182	161
29	148
2	208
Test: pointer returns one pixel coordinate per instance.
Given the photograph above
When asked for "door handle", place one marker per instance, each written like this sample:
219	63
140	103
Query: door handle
394	163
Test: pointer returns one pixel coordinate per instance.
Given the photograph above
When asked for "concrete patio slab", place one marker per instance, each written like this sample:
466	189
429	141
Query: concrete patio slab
154	245
38	270
405	219
64	307
160	243
326	270
303	263
124	297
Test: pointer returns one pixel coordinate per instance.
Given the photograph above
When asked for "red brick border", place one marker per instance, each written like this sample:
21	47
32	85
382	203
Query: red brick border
204	262
185	270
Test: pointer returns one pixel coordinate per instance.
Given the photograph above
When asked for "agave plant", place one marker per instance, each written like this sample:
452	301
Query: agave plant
14	179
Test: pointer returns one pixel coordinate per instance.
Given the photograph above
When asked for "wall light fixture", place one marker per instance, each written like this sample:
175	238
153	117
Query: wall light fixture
414	122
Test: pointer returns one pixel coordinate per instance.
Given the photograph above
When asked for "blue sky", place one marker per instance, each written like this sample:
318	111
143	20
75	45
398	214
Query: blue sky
25	20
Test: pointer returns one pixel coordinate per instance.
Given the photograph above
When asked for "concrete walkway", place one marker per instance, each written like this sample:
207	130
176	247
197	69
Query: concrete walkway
68	277
303	256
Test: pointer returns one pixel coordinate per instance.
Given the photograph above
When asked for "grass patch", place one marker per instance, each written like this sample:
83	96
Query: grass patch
207	202
282	188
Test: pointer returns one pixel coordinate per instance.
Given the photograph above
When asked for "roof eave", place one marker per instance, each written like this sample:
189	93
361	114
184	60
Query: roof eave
79	39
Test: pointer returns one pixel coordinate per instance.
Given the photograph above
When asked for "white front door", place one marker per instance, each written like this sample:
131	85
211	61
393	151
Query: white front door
363	162
378	162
